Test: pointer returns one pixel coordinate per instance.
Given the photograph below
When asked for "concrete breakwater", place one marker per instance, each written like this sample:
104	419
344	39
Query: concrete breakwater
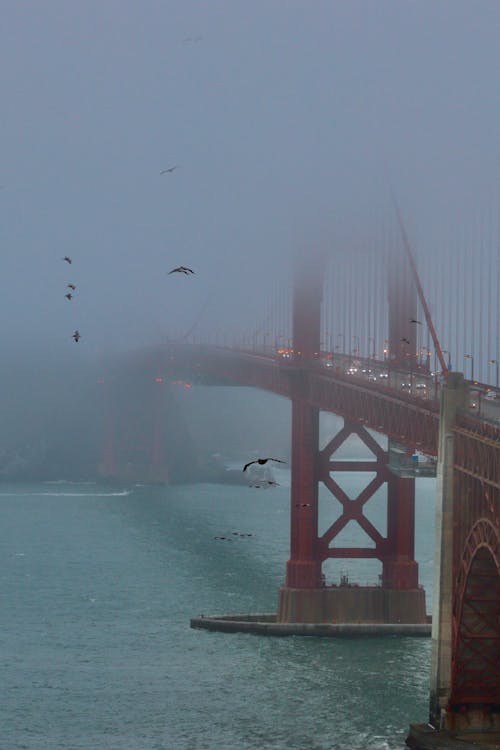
266	624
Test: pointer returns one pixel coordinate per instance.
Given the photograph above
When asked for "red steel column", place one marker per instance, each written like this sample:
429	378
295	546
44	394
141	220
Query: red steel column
159	469
303	570
399	570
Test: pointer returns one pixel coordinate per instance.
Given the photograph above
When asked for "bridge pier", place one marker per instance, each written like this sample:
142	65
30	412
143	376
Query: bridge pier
135	423
465	663
453	397
305	598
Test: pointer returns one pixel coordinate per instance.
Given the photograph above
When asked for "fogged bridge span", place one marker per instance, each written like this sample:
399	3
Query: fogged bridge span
392	376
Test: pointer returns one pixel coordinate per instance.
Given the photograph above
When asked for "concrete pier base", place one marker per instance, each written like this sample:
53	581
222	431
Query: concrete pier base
266	624
352	604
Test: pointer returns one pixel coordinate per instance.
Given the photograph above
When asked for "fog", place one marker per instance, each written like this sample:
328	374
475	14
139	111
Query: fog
288	123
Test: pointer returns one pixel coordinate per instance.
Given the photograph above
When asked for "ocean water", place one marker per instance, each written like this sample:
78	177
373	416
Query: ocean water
96	590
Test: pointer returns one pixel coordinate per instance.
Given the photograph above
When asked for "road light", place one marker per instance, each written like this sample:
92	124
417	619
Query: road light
445	351
471	357
494	362
342	336
356	349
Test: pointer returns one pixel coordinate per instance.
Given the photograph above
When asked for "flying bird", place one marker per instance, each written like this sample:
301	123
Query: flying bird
69	295
181	269
76	336
170	169
67	259
419	322
262	461
405	340
71	286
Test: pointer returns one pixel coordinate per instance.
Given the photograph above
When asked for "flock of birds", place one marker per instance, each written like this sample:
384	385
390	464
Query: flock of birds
257	483
76	336
263	482
234	534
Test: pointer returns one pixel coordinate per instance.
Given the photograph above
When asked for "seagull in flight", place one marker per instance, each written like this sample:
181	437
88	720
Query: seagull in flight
71	286
69	295
181	269
76	336
169	170
262	461
412	320
67	259
406	341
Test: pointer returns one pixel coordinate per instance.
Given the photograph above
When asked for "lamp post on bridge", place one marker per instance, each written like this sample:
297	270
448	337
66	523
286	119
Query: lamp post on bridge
370	338
494	362
356	348
471	357
445	351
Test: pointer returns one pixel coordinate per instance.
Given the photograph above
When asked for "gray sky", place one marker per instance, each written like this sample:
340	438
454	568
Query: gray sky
285	118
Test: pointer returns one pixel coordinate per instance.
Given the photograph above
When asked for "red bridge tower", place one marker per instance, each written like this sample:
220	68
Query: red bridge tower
305	598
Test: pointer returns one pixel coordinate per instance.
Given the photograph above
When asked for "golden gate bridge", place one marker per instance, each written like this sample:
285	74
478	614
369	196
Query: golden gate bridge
368	337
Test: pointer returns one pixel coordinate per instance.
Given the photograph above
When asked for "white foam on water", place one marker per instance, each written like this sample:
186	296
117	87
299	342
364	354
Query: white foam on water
121	493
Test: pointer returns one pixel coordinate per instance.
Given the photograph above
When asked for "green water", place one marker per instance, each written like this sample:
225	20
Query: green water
96	591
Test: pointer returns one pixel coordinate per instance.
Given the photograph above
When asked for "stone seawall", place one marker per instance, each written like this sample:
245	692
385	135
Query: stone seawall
266	624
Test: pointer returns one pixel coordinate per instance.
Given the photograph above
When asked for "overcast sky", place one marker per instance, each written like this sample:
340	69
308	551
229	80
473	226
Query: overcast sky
284	117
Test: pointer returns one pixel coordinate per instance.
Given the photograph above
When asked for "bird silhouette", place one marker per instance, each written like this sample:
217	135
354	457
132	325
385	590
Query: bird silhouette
405	340
71	286
76	336
262	461
412	320
67	259
169	170
181	269
69	295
